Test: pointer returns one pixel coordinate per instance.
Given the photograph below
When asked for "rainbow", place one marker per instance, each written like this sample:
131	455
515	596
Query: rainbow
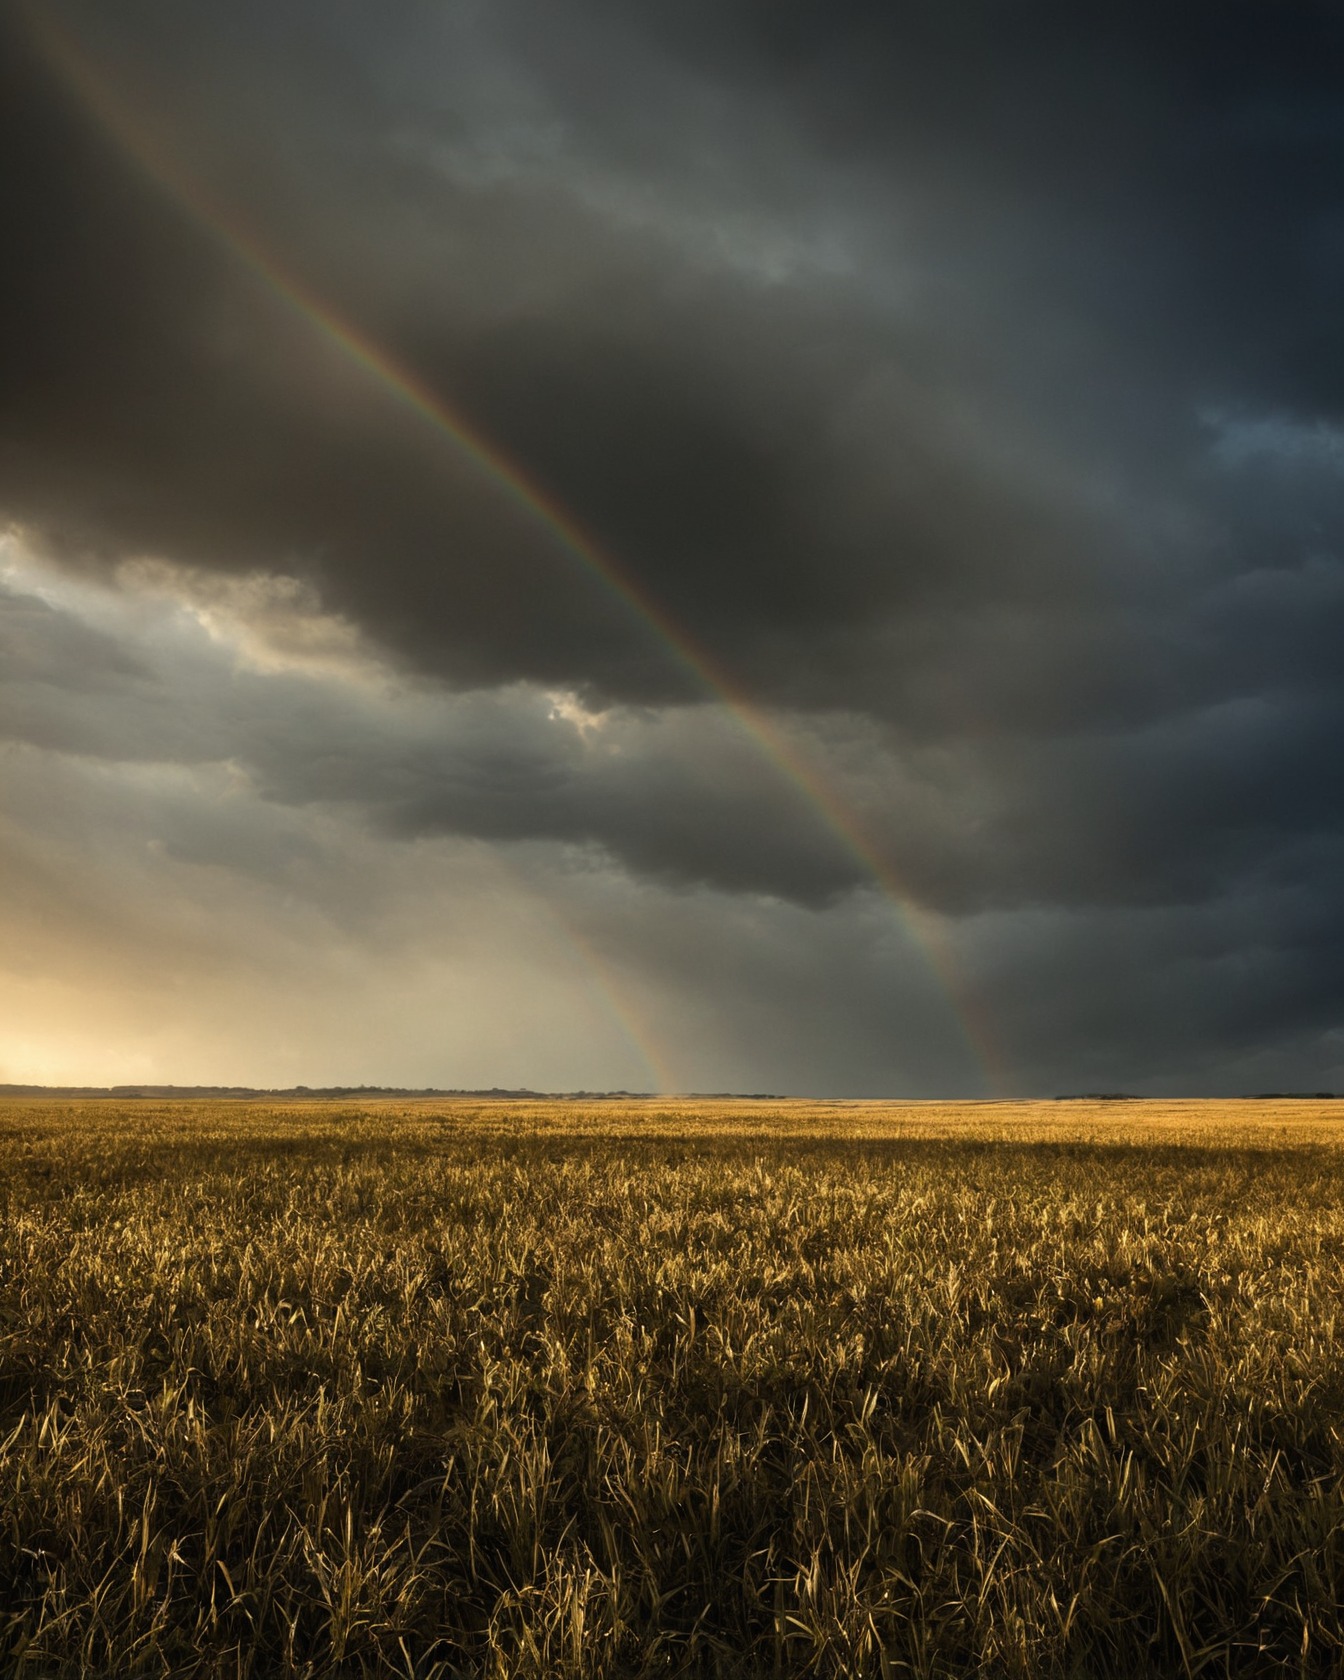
128	129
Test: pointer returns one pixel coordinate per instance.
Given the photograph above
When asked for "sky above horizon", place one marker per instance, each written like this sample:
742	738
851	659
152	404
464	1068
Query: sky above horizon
663	546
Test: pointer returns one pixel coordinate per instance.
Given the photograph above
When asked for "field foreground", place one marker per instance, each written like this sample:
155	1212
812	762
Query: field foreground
644	1388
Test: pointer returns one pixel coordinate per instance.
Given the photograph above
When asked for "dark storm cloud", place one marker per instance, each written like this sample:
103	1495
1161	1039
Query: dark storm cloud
968	379
942	353
770	454
1231	997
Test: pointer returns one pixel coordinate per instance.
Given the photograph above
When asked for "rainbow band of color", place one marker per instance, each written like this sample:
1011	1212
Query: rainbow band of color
91	86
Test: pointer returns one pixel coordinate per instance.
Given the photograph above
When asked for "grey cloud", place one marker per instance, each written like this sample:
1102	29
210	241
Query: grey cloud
330	805
966	381
1231	997
683	795
1174	810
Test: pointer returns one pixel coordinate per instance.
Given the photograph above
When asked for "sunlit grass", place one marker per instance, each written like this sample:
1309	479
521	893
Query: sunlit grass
656	1388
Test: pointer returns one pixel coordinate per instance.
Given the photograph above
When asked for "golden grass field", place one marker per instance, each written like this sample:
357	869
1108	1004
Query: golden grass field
656	1387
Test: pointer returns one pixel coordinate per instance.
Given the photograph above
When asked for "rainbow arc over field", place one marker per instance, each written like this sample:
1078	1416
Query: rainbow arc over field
128	129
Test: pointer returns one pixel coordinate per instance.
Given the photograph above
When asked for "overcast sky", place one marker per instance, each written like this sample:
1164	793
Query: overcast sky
945	694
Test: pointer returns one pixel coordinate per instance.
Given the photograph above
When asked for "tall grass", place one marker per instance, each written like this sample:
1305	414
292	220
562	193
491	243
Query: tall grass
536	1392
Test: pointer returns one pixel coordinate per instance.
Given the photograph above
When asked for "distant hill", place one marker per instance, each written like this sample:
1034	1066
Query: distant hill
297	1092
1097	1096
1250	1096
1294	1096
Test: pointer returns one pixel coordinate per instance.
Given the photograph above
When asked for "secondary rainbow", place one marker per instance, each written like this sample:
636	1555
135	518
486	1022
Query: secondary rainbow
92	87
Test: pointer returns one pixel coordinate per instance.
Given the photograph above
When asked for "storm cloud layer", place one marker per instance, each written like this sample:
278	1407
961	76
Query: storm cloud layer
963	384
